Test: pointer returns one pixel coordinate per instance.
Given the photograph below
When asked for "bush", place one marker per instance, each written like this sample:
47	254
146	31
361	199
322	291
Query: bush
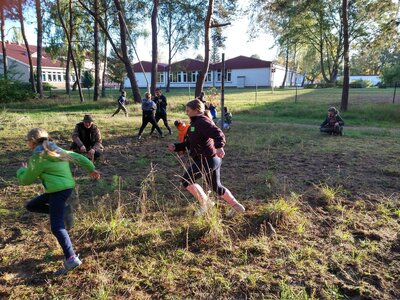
13	91
382	85
87	80
48	87
359	84
310	86
391	75
325	85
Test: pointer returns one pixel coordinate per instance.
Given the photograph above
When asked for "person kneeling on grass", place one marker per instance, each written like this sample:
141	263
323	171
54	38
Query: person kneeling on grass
227	119
87	139
205	142
51	164
333	123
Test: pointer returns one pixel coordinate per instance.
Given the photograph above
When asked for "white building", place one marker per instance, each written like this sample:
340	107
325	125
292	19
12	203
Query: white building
240	71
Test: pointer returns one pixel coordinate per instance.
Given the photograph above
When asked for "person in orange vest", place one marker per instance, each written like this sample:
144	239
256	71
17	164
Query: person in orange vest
182	129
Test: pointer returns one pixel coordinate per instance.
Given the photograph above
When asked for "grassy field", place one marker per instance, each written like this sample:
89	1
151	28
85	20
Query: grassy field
322	219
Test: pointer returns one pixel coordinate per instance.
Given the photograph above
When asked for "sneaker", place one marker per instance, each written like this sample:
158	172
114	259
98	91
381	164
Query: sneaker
139	137
69	266
234	210
68	216
203	210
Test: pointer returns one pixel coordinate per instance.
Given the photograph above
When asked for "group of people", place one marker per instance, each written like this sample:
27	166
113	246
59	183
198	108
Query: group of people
202	139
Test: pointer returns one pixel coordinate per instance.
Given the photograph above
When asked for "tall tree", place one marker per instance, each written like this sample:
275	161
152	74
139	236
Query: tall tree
207	25
28	50
96	52
39	48
154	46
180	23
346	56
69	41
3	39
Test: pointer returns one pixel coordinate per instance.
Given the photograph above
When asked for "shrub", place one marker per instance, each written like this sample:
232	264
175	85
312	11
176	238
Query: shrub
48	87
310	86
87	80
360	83
325	85
391	75
12	91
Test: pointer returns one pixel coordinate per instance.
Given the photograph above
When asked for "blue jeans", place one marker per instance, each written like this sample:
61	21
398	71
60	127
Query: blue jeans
54	204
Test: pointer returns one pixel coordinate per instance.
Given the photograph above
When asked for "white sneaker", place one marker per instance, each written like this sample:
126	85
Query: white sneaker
238	208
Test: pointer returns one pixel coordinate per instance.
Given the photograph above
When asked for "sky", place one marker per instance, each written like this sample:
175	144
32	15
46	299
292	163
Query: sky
237	41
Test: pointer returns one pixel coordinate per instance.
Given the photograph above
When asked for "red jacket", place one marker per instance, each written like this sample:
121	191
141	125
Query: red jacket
182	130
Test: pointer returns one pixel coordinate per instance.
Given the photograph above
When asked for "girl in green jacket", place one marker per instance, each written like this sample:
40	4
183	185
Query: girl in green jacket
51	164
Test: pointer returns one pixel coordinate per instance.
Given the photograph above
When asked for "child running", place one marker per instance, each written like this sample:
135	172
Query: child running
148	108
121	104
205	142
51	164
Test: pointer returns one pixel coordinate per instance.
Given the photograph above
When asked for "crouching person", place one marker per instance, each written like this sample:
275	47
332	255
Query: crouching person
87	139
333	123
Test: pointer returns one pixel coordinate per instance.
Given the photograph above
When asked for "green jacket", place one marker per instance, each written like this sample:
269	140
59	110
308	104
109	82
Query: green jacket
54	173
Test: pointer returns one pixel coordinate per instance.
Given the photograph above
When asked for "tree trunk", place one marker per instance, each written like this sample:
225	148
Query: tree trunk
67	72
125	56
168	88
286	67
3	44
346	45
204	71
39	49
71	52
103	76
28	51
96	54
154	45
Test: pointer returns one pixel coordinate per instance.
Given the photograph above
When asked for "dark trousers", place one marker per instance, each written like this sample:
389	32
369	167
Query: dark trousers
161	116
54	204
120	106
332	129
210	168
148	117
74	147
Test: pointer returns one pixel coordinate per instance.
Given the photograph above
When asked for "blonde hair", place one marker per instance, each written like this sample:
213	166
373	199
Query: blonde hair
147	95
40	136
196	104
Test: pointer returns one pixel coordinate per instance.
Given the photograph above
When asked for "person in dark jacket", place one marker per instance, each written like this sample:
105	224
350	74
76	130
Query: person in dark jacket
121	104
333	123
87	139
161	112
148	108
205	143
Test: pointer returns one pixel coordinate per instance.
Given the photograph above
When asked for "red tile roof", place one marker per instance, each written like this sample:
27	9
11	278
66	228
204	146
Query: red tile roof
18	52
147	67
243	62
187	65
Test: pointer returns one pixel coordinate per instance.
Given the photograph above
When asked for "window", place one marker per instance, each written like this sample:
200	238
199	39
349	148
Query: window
50	78
160	77
228	75
194	76
59	77
179	77
208	77
44	76
173	77
184	77
54	76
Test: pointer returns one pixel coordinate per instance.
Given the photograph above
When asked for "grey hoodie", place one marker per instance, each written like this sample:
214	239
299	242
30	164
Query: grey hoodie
148	105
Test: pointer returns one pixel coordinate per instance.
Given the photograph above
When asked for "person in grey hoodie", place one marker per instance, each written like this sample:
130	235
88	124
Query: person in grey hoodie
148	108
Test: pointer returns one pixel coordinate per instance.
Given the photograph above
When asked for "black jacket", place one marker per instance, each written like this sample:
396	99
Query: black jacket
161	103
203	138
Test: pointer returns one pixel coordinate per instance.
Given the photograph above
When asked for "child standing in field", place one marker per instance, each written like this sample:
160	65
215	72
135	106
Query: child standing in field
51	164
205	142
148	108
121	104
